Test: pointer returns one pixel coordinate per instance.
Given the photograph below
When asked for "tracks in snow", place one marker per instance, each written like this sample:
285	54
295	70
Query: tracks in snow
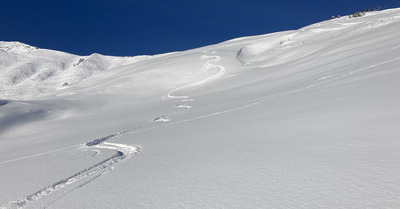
123	152
52	193
321	81
220	71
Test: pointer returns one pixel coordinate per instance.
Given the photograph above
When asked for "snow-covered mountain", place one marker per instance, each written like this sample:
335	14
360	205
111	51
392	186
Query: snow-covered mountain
307	118
28	71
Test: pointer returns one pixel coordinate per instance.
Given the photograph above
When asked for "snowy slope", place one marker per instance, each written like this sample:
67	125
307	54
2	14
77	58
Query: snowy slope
28	71
307	118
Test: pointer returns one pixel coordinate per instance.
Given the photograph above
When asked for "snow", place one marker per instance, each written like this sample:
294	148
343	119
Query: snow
28	71
297	119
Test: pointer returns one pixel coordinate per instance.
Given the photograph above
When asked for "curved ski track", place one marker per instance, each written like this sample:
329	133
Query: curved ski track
183	98
220	71
123	152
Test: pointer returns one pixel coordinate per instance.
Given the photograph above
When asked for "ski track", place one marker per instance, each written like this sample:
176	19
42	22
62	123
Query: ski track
221	71
182	106
323	80
163	118
125	152
183	98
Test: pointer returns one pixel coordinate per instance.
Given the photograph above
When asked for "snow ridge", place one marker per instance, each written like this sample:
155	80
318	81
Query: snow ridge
16	47
28	71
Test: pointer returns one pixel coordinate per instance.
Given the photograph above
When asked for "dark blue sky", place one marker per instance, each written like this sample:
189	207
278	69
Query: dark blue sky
136	27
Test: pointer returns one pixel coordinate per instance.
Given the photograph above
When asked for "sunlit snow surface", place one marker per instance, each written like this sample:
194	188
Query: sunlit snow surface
307	118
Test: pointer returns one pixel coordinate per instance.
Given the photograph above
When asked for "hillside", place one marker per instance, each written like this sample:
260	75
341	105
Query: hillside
307	118
28	71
